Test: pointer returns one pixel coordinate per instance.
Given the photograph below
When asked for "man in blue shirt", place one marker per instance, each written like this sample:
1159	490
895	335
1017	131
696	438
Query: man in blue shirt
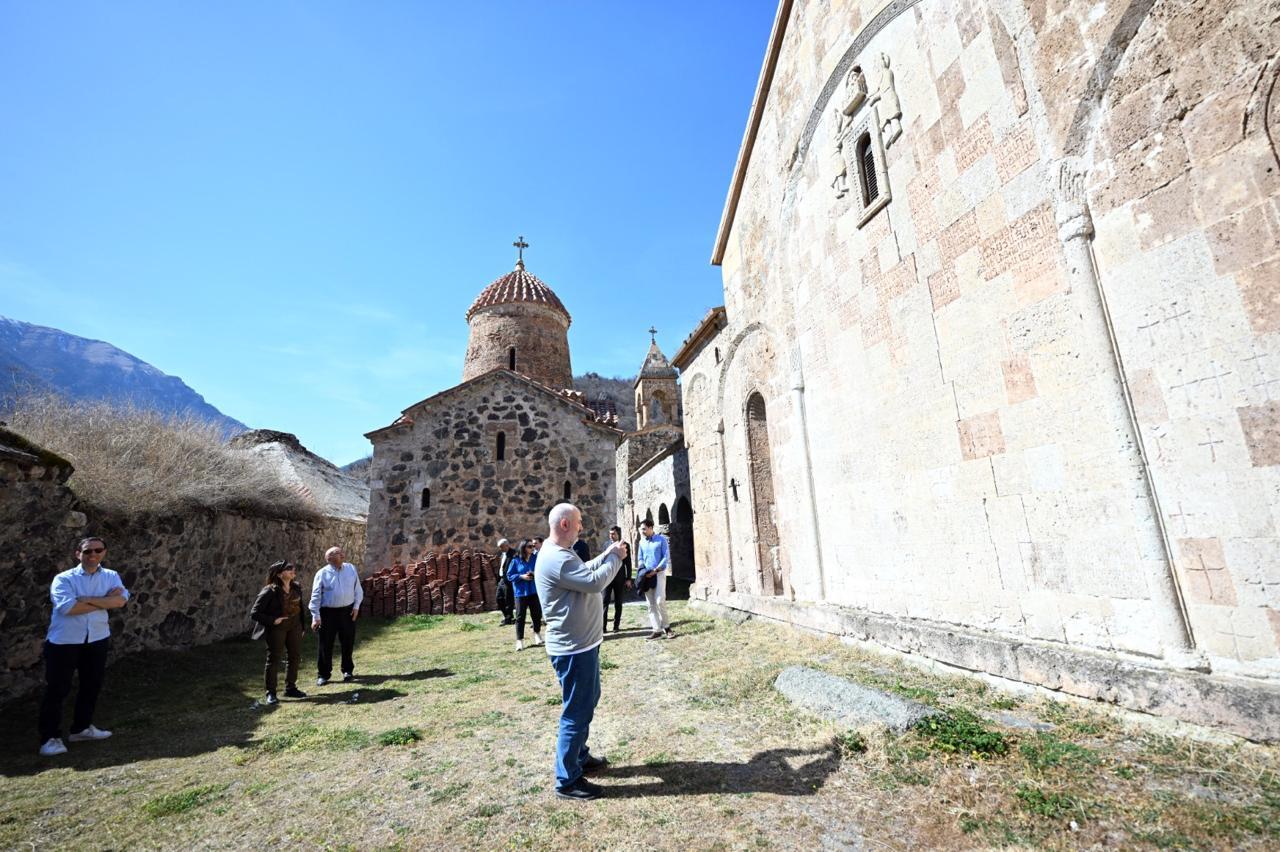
336	595
654	558
77	641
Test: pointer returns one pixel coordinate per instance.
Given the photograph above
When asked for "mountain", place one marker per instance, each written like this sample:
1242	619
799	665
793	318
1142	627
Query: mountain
38	358
618	391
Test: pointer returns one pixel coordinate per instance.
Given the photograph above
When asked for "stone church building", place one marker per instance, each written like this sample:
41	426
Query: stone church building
996	382
489	457
653	468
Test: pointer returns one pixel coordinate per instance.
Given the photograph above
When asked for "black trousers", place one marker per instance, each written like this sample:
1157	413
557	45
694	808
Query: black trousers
506	599
336	621
615	591
61	662
528	604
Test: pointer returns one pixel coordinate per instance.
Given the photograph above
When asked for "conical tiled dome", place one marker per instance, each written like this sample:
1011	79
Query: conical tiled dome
518	285
656	365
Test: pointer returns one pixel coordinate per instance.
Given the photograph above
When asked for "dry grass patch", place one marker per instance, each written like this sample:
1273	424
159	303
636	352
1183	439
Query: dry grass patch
449	745
129	460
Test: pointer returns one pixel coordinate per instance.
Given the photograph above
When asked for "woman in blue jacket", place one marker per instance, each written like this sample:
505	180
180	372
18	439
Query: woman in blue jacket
520	572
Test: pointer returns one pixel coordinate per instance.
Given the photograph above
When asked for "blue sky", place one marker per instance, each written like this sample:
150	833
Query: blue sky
291	205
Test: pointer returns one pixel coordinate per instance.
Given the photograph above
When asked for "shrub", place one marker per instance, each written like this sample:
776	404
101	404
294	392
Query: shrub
1046	750
176	803
1050	805
960	732
131	461
851	742
399	736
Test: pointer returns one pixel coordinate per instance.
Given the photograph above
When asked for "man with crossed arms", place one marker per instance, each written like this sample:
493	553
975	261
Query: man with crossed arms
78	639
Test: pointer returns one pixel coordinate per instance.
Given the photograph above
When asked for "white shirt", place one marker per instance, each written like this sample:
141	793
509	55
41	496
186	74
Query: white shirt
336	587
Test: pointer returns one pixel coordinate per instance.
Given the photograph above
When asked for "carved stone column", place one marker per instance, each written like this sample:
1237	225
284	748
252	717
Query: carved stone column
1075	230
806	469
724	492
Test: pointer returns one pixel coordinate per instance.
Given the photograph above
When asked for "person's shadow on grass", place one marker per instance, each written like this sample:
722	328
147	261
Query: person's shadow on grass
767	772
354	696
425	674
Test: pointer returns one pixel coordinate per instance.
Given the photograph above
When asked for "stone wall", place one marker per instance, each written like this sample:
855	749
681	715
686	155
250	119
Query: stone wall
192	577
635	449
450	450
1031	389
539	334
664	483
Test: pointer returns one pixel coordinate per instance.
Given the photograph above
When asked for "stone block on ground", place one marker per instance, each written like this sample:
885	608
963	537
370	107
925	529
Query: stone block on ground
1022	723
848	703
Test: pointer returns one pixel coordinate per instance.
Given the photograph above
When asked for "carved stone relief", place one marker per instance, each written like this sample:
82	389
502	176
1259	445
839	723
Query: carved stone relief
855	93
890	107
859	137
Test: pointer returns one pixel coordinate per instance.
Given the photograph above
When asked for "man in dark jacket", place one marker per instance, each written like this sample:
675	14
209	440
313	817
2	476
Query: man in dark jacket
506	597
621	582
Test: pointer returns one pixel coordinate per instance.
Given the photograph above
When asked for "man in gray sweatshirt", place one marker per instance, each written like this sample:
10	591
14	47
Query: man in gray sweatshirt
569	591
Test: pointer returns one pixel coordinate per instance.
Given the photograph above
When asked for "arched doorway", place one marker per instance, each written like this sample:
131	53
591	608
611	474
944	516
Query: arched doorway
664	517
762	500
681	536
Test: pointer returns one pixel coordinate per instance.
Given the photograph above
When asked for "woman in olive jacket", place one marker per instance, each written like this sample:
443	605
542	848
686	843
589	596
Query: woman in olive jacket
278	614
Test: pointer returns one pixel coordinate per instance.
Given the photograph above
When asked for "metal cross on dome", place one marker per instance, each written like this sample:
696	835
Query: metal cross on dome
653	334
520	245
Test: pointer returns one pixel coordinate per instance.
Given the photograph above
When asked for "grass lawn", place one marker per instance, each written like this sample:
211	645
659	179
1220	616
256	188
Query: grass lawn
446	742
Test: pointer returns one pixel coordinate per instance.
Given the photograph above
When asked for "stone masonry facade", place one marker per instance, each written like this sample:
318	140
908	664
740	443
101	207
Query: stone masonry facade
437	482
192	576
1012	370
535	338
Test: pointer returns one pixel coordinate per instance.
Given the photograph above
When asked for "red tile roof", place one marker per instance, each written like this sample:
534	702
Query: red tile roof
517	286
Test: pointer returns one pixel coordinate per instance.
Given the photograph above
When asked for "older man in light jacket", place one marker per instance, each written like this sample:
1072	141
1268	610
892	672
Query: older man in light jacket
569	591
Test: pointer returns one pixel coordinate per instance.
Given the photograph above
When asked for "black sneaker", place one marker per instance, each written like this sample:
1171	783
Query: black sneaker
593	763
321	681
294	692
581	790
271	699
667	634
348	677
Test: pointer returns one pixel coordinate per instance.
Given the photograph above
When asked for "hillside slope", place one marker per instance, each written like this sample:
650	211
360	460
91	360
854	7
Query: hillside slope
36	357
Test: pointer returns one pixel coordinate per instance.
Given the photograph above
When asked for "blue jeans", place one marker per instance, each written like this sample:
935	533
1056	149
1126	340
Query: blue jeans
579	676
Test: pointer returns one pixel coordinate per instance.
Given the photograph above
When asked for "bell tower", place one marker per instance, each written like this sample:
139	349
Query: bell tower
657	391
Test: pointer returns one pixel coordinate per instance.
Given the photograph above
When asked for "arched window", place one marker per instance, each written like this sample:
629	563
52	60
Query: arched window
426	498
568	490
502	446
648	515
511	358
867	169
717	354
664	517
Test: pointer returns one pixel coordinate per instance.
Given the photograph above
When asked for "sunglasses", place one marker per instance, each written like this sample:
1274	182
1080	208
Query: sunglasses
94	550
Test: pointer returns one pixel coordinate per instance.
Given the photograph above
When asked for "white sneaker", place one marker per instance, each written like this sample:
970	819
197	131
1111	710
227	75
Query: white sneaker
519	644
53	747
88	734
537	638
